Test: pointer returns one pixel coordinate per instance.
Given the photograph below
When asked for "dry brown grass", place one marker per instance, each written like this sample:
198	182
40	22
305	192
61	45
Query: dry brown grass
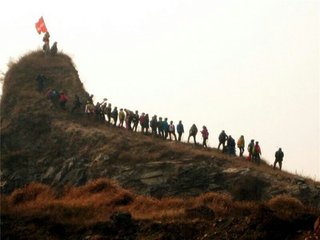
286	207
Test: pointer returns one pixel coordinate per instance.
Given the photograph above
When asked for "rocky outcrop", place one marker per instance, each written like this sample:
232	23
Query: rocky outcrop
44	143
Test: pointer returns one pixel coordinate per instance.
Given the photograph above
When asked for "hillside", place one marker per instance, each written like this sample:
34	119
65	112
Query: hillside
40	142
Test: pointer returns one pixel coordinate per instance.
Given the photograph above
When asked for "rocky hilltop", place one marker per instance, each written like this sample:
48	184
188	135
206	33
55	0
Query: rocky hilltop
58	169
41	142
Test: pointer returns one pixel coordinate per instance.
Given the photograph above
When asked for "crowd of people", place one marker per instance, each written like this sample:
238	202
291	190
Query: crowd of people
156	126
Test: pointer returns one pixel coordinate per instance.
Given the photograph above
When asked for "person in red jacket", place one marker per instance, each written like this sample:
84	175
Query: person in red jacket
256	153
205	135
63	99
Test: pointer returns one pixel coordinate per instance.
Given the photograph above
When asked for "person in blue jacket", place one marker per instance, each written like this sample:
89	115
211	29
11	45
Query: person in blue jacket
180	130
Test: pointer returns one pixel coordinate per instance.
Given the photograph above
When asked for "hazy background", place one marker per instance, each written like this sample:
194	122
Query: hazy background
248	67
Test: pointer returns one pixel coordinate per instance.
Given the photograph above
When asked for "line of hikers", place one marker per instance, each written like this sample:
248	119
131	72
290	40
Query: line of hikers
130	120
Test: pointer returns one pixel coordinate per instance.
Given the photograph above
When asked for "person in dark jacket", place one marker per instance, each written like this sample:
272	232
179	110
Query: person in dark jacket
146	123
180	130
108	112
222	140
160	127
279	158
76	103
54	49
193	133
114	116
135	120
165	127
250	150
40	82
154	125
231	146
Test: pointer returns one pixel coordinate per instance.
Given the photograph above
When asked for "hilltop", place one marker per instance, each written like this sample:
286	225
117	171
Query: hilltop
40	142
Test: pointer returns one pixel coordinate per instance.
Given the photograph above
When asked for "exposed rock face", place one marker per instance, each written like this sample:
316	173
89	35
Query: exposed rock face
40	142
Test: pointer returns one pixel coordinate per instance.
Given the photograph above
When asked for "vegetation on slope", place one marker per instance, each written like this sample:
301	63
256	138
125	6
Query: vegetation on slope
103	208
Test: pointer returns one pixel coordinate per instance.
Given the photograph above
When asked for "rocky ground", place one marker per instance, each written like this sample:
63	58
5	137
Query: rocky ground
42	143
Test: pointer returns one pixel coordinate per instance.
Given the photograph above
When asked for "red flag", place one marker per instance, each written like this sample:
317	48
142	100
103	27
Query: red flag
41	26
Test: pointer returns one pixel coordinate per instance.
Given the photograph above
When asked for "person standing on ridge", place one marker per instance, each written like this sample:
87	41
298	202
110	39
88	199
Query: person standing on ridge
54	49
141	120
46	45
40	82
205	135
250	149
241	144
231	146
108	112
256	153
121	117
76	103
180	130
114	115
279	158
165	127
153	125
63	99
172	131
222	140
193	133
135	120
146	123
160	127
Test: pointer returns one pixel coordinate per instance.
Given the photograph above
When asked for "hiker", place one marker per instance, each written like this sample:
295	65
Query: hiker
114	116
154	125
63	100
121	117
279	158
97	111
128	118
222	140
193	133
76	103
241	145
103	111
141	120
160	127
53	95
231	146
46	45
205	135
40	82
180	130
135	120
108	112
256	153
89	108
250	149
146	123
54	49
172	131
90	98
165	127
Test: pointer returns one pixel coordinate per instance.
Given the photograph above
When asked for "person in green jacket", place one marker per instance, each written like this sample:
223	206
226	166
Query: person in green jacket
193	133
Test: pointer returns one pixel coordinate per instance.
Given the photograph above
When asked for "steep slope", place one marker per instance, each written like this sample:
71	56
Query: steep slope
44	143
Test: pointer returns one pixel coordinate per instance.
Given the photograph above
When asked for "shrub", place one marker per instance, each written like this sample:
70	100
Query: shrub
31	192
285	206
